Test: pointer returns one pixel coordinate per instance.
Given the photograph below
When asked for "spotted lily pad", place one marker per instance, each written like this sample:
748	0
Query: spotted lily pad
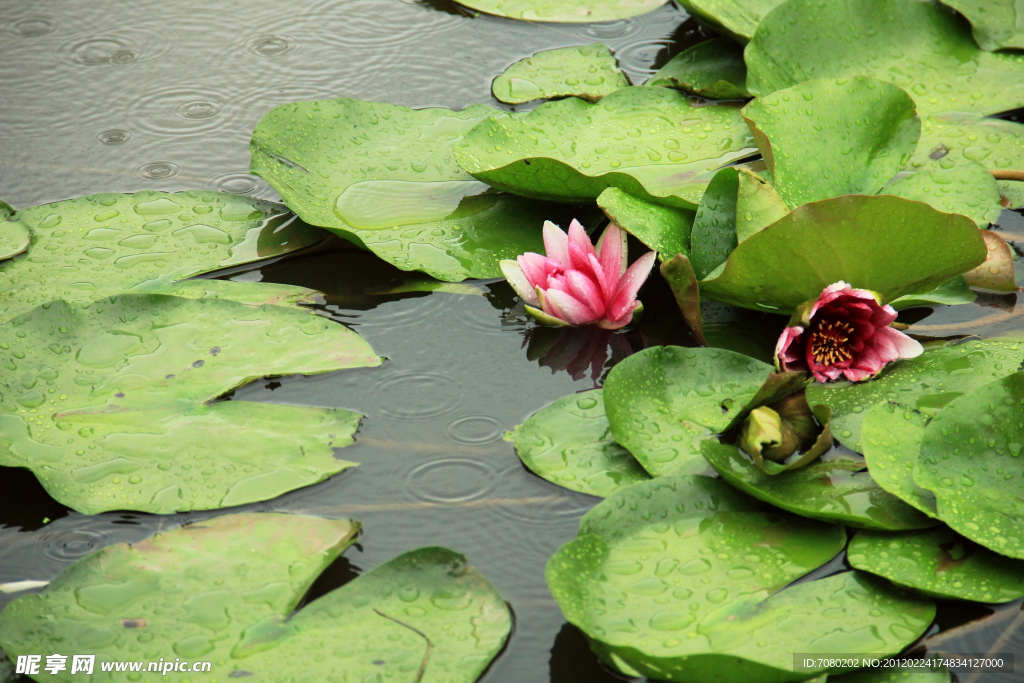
918	46
14	237
714	228
952	139
967	189
88	248
838	489
970	461
873	130
681	588
713	69
664	401
738	18
565	11
110	403
665	229
995	24
569	443
939	563
926	383
225	591
891	437
889	245
653	143
586	71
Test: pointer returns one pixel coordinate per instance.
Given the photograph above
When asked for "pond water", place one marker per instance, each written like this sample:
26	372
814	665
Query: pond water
110	96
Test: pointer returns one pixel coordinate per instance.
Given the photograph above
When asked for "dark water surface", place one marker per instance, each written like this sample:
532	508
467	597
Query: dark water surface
113	96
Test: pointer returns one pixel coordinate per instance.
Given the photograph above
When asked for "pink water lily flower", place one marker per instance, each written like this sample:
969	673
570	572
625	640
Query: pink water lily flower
844	333
576	284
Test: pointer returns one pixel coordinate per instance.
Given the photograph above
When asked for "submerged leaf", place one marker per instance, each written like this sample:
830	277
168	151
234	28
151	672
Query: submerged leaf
922	48
663	228
587	71
970	459
225	590
653	143
89	248
835	490
110	404
569	443
738	18
681	583
872	131
664	401
713	69
939	563
885	244
565	11
926	383
967	189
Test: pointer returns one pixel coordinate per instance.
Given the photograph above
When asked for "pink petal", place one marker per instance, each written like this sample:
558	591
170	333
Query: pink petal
885	346
869	360
786	339
907	347
611	252
597	274
855	375
629	285
556	244
568	308
586	291
623	320
514	274
827	374
579	247
884	316
538	269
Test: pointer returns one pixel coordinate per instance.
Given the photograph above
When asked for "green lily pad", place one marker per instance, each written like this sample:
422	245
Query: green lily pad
665	229
758	205
714	228
926	383
918	46
873	130
953	292
225	591
889	245
835	490
653	143
995	24
939	563
967	189
664	401
562	11
586	71
110	403
891	437
251	293
678	589
569	443
713	69
92	247
970	461
14	237
738	18
952	139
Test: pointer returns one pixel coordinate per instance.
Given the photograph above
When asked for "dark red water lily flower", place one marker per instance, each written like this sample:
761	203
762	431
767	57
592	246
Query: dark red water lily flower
844	333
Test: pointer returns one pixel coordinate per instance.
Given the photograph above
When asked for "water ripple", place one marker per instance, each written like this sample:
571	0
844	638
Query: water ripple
33	27
417	395
450	480
475	430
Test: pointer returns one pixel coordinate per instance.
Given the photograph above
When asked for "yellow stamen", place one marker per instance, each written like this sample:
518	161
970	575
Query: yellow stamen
829	343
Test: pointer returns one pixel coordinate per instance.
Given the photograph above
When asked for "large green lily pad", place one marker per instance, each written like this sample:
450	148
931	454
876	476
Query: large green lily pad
87	248
889	245
587	71
571	11
569	443
939	563
665	229
970	460
653	143
664	401
758	205
995	24
713	69
891	437
919	46
967	189
826	138
838	489
14	237
738	18
714	228
926	383
955	138
224	591
679	589
109	403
